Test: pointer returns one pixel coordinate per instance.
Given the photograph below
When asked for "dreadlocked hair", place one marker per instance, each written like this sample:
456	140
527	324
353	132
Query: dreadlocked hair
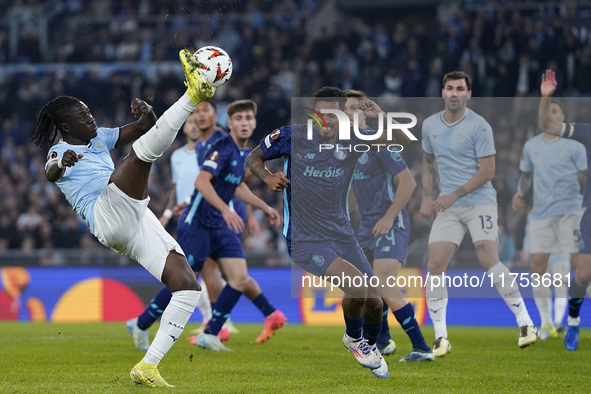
49	118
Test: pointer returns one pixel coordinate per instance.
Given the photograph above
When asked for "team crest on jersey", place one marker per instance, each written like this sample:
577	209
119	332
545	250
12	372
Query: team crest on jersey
364	158
395	156
98	145
340	153
318	260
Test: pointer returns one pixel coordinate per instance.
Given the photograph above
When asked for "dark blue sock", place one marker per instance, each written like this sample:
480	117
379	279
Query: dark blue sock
371	332
223	306
263	304
576	295
384	336
212	305
353	327
406	318
154	309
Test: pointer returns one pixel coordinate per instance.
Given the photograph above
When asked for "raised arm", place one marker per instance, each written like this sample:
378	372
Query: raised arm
547	88
372	110
135	130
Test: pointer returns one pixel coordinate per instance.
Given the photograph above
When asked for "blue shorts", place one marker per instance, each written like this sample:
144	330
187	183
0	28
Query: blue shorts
585	245
391	246
200	242
316	256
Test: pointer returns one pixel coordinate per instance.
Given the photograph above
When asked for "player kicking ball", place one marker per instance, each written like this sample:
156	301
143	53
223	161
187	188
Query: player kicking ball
114	201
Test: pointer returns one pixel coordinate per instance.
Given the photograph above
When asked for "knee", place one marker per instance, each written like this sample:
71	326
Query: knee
374	307
188	282
239	282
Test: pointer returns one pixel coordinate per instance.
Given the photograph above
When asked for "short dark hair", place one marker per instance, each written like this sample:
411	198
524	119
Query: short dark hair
241	105
330	94
559	104
454	75
355	93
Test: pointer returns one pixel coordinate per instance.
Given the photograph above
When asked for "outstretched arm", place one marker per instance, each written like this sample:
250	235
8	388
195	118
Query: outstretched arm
523	186
256	162
135	130
56	167
547	89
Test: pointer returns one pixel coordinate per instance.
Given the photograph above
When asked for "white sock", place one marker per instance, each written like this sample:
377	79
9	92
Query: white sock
542	297
172	323
573	321
436	294
204	303
560	292
508	289
151	145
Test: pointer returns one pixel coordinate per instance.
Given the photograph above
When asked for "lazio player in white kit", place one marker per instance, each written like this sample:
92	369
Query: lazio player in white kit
557	167
114	200
458	150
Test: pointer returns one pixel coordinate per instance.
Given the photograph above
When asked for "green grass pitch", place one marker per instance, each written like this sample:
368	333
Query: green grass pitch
96	358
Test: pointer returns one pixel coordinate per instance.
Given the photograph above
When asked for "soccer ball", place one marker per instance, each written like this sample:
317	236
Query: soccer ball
216	65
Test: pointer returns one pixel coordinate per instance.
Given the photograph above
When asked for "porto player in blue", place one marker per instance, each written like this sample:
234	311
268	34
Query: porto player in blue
208	226
320	239
383	185
553	123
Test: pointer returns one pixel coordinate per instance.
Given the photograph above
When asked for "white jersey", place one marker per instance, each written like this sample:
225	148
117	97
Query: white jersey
84	182
555	165
184	168
457	148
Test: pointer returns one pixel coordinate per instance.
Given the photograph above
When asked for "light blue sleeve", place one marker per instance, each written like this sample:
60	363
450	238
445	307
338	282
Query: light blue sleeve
109	136
580	157
426	142
525	165
484	144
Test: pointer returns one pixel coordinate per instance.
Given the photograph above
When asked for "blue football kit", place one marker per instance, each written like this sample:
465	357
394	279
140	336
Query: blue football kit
373	184
202	230
316	220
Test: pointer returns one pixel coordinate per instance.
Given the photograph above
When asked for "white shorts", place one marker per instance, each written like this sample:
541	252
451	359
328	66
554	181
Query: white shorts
127	226
451	224
556	234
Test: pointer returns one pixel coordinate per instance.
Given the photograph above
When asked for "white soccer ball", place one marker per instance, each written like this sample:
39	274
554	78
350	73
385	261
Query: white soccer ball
216	65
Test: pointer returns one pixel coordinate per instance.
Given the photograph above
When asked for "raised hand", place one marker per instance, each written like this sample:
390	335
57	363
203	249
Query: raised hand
140	107
549	84
370	108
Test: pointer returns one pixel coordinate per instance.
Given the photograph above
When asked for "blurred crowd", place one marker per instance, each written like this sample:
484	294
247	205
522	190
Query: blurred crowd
106	52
